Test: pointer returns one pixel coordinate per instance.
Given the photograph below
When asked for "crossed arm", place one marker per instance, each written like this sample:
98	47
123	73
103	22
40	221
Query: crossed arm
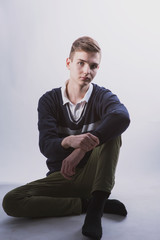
81	143
114	121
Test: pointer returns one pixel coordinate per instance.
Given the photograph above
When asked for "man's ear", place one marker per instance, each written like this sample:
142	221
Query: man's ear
68	60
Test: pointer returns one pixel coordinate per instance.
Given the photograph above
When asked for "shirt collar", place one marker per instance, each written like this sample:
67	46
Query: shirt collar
84	99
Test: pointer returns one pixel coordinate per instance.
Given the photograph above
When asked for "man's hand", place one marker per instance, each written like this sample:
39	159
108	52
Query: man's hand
86	141
69	164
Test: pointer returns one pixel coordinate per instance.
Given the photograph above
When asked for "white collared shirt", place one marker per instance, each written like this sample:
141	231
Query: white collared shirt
76	109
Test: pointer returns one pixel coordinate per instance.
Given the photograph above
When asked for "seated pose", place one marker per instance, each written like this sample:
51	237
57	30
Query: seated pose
80	126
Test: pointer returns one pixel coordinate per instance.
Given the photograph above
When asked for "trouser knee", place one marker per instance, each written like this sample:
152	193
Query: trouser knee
113	144
9	205
110	149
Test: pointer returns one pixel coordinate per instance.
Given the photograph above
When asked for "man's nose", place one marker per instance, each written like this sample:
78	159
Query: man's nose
87	69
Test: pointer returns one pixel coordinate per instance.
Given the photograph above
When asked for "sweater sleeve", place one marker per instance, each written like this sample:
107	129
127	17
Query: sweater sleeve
114	117
49	141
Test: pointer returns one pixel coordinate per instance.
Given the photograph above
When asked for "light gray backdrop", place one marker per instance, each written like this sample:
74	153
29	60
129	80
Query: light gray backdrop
35	39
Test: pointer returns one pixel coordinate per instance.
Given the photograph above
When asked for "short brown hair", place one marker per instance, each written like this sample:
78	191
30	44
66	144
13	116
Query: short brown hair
86	44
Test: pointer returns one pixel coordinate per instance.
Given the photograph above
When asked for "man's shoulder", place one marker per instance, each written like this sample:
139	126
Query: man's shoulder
53	93
100	89
102	94
51	98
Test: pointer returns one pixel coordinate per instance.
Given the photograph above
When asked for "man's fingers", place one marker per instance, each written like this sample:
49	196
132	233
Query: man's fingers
70	171
90	140
94	138
87	147
67	171
66	176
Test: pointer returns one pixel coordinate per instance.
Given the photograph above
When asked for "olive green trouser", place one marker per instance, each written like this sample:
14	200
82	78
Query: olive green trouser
55	196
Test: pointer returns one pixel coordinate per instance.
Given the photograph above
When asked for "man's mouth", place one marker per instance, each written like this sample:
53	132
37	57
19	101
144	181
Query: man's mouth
85	78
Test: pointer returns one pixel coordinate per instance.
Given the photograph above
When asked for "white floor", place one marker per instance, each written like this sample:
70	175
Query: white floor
141	197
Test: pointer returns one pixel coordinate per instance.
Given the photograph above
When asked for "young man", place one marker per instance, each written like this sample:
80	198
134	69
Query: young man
80	128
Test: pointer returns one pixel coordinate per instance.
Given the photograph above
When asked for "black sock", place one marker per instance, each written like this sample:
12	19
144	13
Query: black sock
92	225
85	204
111	206
114	206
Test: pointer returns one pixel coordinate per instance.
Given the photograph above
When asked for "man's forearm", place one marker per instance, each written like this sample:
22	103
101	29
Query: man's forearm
85	141
66	142
112	126
70	163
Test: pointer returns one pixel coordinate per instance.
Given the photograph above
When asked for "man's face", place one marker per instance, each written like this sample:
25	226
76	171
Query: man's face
83	67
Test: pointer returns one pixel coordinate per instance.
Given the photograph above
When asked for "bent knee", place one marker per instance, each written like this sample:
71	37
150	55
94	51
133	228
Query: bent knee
9	204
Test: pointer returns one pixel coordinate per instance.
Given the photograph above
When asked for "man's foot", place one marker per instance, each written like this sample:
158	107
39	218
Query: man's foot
92	224
112	206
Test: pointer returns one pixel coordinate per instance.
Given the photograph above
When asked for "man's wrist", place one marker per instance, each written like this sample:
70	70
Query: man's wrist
80	151
66	142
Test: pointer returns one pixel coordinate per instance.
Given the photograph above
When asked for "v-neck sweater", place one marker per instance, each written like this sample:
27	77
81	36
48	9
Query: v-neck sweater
104	116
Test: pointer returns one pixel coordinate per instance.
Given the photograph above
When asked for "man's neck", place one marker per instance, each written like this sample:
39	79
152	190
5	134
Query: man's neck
76	92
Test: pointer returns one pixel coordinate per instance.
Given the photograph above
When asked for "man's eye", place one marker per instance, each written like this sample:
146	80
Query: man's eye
81	63
94	66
